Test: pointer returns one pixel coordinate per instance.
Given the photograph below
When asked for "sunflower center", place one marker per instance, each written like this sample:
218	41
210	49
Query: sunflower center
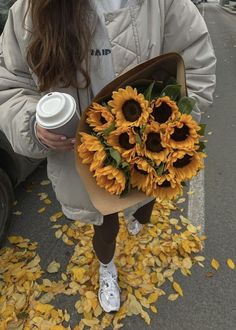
131	110
140	171
165	184
180	134
103	120
124	141
183	161
153	142
162	113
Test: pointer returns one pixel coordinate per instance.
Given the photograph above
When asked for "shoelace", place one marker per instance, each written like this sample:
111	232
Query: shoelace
108	283
133	224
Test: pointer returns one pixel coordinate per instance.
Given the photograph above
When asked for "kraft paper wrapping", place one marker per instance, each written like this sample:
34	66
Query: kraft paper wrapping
154	69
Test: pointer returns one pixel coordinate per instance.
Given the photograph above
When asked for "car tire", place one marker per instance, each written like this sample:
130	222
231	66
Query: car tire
6	202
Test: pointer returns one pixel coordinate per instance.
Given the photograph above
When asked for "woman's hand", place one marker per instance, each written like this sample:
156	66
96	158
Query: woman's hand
54	141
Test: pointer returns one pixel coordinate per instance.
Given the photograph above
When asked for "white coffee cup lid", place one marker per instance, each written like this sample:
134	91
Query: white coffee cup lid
55	109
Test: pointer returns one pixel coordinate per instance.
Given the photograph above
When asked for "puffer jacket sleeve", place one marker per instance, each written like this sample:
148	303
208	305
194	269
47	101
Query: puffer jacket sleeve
18	94
185	32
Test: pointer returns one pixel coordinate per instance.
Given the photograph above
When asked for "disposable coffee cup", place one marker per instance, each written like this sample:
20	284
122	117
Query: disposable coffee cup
56	112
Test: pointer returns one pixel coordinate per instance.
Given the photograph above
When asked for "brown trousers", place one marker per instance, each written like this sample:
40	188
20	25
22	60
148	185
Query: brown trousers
104	239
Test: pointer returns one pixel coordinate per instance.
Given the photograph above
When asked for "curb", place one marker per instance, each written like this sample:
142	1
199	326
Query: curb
227	9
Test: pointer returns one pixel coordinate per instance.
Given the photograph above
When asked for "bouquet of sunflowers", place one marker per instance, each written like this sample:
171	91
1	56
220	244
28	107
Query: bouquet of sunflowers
142	137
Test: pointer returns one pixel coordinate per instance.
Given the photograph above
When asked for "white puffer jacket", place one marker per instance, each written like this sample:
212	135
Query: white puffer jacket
145	29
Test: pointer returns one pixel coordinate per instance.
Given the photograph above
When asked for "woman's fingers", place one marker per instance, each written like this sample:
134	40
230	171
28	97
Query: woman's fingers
54	141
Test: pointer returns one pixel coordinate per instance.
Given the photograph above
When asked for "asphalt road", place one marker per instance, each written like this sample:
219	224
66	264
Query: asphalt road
209	302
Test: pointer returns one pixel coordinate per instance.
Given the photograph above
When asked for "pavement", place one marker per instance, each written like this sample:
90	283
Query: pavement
228	9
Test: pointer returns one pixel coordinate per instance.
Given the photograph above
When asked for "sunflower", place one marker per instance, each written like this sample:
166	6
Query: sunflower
99	117
165	187
182	134
142	174
91	151
184	165
110	178
123	139
164	109
153	146
98	160
129	107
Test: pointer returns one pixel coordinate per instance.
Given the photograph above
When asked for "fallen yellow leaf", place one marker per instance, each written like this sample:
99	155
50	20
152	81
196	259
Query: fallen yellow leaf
230	263
47	201
17	213
177	288
45	182
173	296
215	264
90	323
58	233
199	258
53	267
153	309
15	239
41	210
78	274
181	200
56	216
187	263
43	308
153	297
192	229
47	298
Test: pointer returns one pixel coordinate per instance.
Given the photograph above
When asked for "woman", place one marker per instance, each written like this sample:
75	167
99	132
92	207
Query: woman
77	47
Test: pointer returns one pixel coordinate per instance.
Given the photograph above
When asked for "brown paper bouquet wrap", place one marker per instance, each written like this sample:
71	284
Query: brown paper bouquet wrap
158	69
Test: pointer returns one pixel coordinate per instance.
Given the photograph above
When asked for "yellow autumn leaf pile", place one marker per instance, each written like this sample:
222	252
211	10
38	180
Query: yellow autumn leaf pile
144	264
21	307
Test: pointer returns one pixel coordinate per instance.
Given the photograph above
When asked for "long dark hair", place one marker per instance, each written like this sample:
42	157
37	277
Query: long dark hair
61	34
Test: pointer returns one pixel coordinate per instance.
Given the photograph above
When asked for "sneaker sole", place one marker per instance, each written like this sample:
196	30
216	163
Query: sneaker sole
112	311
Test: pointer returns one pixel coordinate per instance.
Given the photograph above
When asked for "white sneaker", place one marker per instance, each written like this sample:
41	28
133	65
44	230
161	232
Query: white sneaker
109	291
133	226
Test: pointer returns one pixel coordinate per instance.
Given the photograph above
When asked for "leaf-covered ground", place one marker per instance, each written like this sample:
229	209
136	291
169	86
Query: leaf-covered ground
145	263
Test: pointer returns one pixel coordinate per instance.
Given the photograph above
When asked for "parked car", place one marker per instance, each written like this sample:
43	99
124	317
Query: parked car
196	2
14	168
4	7
232	4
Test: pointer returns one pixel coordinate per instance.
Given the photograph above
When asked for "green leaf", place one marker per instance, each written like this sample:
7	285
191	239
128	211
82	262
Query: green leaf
104	104
115	155
202	146
173	91
171	81
160	169
127	187
142	129
148	92
138	138
186	104
109	129
202	130
124	166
